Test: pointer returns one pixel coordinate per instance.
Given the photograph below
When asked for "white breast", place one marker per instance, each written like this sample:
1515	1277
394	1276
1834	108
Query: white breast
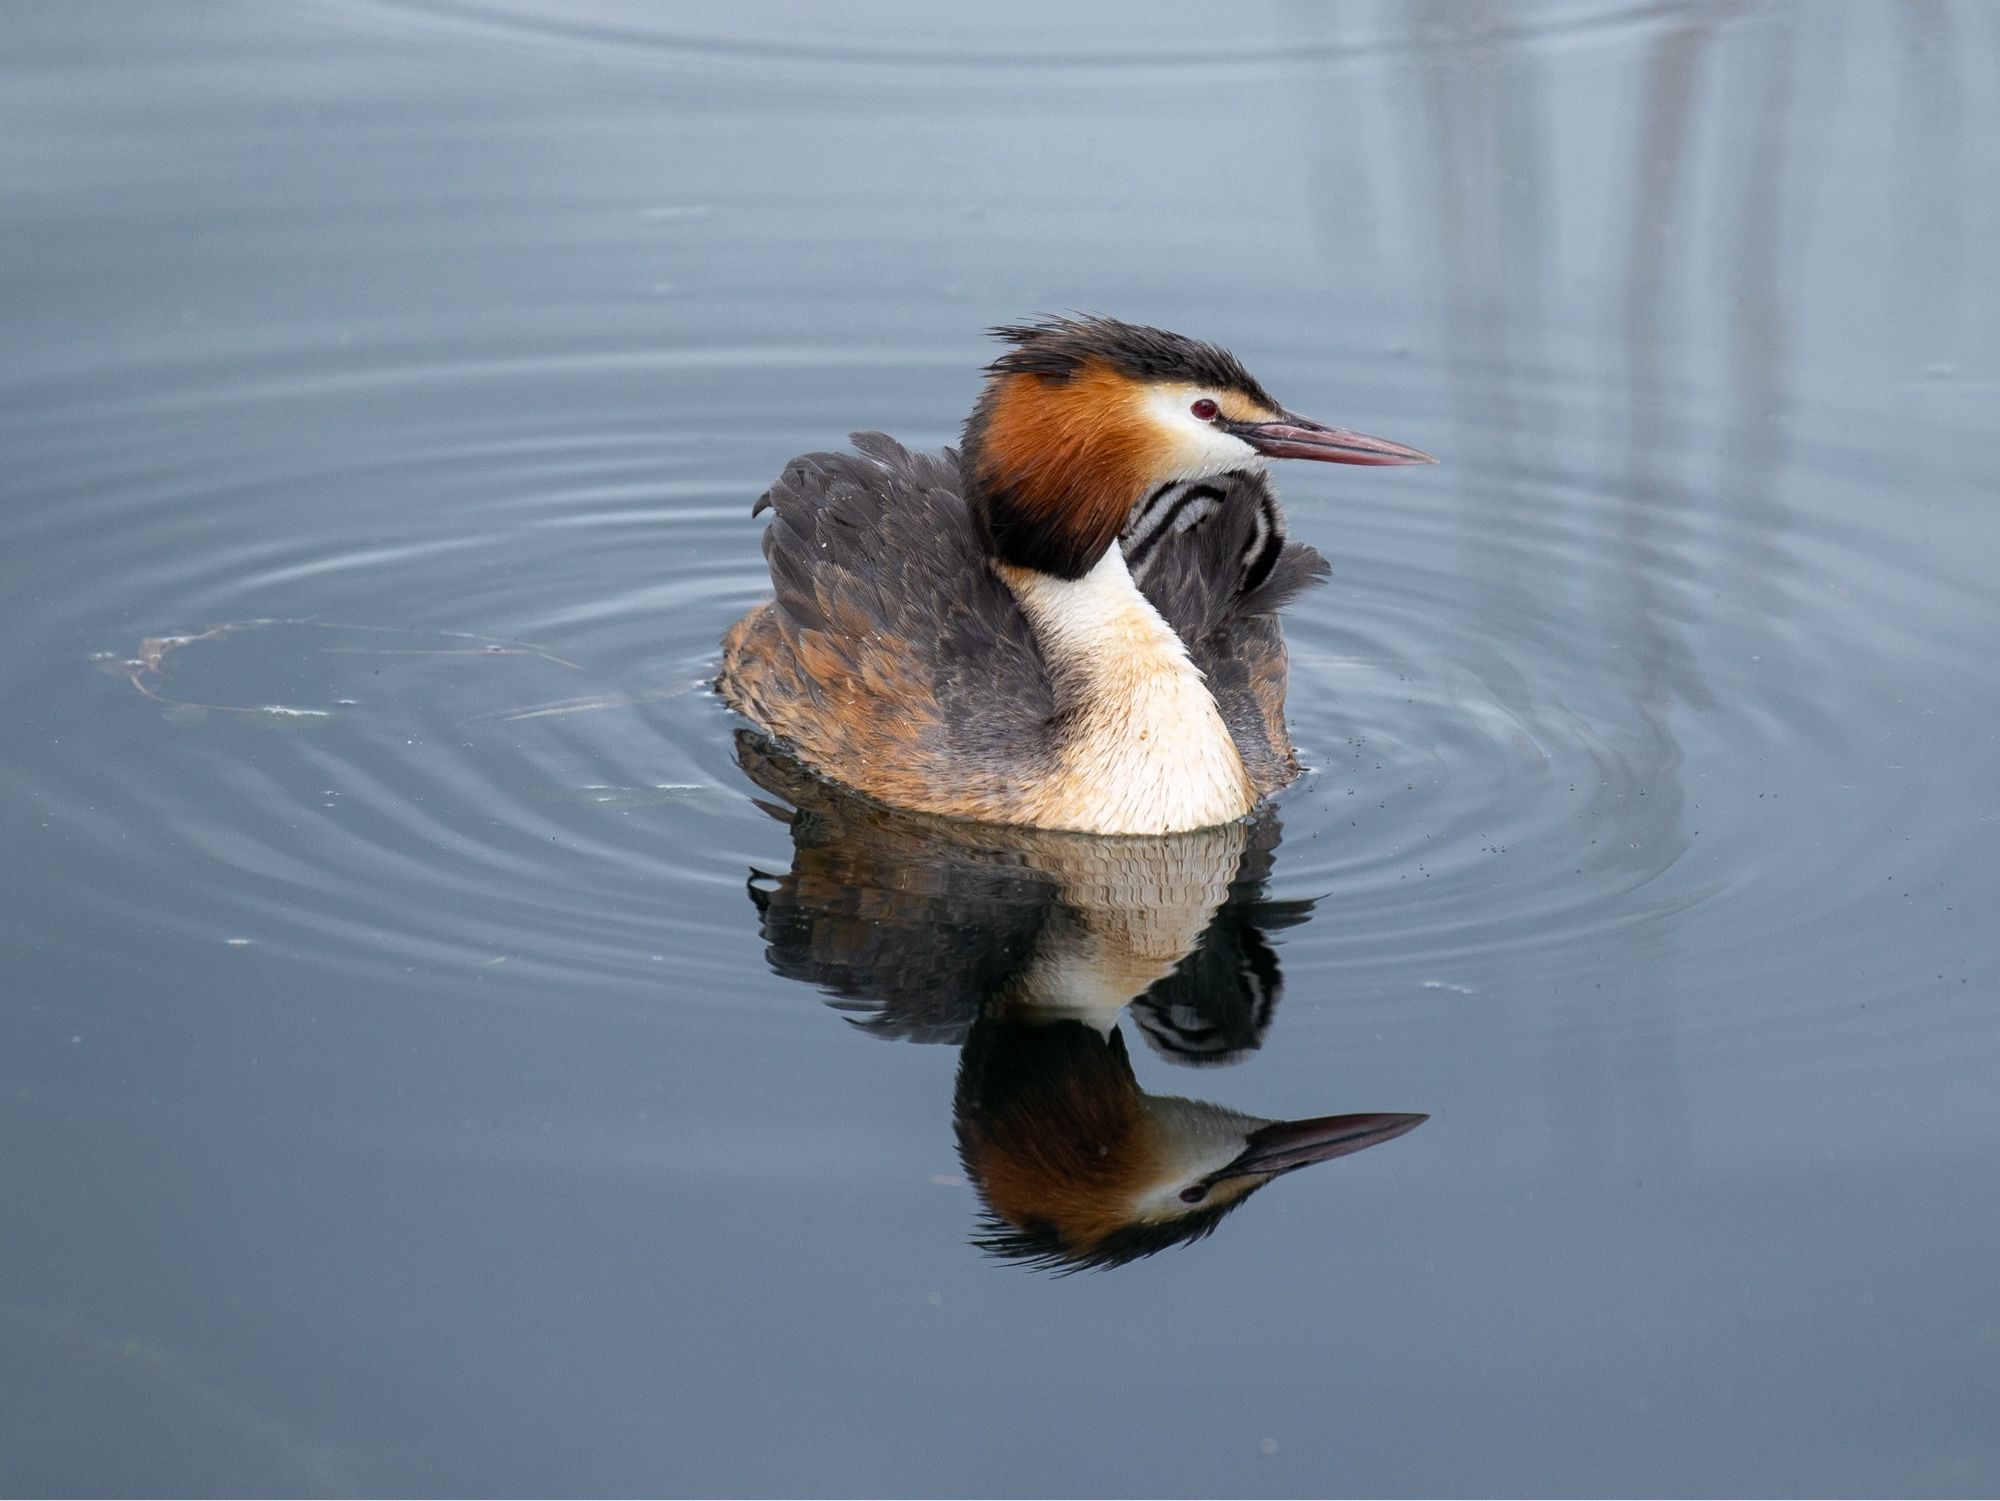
1146	751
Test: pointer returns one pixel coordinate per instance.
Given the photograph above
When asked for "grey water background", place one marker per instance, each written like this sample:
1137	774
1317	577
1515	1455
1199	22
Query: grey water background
397	1097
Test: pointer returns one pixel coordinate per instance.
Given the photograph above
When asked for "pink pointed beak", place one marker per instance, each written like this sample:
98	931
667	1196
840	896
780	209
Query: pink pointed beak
1284	1146
1297	437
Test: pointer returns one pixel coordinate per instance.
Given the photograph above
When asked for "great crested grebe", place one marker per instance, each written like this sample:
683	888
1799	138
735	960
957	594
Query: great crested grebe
1069	624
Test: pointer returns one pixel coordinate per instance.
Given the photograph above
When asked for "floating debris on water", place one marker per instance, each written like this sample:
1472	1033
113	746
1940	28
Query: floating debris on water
147	672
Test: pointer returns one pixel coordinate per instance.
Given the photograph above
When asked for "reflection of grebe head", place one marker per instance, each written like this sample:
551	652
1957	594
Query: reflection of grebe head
1080	1167
1084	416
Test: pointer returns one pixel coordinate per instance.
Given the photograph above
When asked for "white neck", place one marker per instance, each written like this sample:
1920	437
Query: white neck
1146	751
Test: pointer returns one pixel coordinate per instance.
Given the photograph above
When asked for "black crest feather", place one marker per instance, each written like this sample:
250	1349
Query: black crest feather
1057	348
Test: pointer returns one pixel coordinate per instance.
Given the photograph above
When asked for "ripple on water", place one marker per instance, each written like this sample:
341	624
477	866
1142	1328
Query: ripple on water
500	759
1541	709
1007	47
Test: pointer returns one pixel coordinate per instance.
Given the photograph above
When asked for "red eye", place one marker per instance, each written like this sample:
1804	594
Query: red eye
1205	409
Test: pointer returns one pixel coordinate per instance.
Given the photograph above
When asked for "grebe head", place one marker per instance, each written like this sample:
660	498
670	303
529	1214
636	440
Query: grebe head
1085	416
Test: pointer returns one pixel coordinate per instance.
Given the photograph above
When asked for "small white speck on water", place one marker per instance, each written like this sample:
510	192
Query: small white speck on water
76	1039
239	943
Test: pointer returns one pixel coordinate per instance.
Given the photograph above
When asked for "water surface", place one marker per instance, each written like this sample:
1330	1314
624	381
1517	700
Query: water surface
409	1086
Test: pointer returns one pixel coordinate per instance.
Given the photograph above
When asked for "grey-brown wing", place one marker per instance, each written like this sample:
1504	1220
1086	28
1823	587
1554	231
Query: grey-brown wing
892	657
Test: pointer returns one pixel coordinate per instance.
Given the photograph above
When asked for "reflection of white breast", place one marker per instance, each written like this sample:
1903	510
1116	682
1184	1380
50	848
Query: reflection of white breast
1125	915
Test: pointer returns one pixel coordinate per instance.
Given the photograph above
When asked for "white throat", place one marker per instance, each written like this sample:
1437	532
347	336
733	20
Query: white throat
1145	750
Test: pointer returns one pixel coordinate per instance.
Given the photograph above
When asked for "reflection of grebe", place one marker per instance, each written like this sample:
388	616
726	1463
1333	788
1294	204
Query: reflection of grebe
1073	627
1027	946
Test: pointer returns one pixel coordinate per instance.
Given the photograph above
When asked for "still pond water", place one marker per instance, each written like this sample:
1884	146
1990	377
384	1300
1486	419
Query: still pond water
431	1062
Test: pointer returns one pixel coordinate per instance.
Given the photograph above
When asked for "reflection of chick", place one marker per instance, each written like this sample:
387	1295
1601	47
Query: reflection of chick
1080	1167
1028	946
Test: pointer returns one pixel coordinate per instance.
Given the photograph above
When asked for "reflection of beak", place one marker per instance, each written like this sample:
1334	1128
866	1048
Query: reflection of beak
1299	437
1284	1146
